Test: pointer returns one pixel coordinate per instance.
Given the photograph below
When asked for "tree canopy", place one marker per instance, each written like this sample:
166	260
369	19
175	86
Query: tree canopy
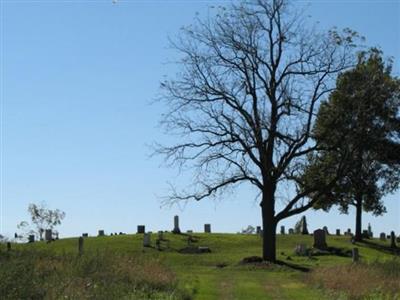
245	100
359	126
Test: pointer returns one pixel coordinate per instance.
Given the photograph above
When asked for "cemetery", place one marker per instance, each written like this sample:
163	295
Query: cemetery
245	150
206	265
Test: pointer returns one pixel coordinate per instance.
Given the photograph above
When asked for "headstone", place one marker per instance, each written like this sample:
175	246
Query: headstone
80	245
301	250
176	225
207	228
365	234
48	235
31	238
258	229
101	233
348	231
320	239
325	228
85	234
189	231
140	229
261	233
291	231
370	234
355	255
382	236
147	240
282	229
301	226
392	240
8	246
338	232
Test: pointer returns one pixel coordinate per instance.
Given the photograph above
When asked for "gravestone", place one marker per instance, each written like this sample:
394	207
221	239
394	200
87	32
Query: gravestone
140	229
291	231
300	250
101	233
355	255
189	231
325	228
338	232
301	226
282	229
258	229
370	234
392	240
80	245
85	234
31	238
8	246
348	231
207	228
48	235
261	233
320	239
147	240
176	225
382	236
365	234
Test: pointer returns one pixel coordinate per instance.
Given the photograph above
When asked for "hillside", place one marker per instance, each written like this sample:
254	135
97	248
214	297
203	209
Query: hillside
215	275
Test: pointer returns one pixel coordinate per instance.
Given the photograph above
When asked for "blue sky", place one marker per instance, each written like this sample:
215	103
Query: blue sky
77	79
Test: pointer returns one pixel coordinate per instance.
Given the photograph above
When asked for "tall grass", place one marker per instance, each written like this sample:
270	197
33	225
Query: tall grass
376	280
102	275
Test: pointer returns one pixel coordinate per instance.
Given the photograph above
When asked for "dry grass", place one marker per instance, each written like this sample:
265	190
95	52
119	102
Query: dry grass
378	280
36	275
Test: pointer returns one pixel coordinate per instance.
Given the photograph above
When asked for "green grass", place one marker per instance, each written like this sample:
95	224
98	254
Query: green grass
197	276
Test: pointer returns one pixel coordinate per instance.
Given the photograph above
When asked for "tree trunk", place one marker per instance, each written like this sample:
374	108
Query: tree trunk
358	233
269	226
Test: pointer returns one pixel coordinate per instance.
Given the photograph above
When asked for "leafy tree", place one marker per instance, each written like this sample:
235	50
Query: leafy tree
360	128
244	104
42	218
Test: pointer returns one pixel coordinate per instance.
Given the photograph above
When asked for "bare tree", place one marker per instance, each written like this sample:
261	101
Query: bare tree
244	103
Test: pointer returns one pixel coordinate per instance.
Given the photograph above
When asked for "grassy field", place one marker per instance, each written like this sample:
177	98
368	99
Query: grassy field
119	267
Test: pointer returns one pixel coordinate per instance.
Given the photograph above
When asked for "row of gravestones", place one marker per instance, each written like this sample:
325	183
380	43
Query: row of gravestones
141	229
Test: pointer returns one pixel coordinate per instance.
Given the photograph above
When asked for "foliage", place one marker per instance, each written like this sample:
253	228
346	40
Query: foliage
42	218
244	103
359	129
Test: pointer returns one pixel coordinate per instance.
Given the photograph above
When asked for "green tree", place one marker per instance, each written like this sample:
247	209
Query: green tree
359	128
42	218
244	104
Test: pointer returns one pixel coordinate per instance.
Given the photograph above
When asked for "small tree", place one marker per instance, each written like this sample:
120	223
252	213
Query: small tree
360	129
42	218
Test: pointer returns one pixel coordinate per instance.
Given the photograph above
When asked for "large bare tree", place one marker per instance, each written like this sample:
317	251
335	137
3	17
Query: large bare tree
244	103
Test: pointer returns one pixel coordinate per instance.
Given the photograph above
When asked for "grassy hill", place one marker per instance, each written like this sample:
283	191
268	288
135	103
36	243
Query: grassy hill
119	267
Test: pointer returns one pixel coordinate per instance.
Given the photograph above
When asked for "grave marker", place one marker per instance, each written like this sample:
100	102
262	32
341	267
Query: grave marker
147	240
355	255
80	245
320	239
176	225
207	228
140	229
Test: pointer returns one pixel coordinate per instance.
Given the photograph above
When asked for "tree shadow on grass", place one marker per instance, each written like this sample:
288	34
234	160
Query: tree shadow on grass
382	248
293	266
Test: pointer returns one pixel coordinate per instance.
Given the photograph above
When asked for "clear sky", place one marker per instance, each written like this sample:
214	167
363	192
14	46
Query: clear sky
77	79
